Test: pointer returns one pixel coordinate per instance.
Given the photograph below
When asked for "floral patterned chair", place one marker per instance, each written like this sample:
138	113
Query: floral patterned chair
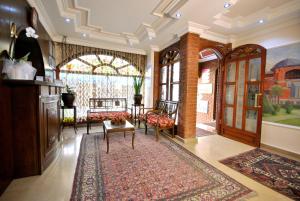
163	120
159	106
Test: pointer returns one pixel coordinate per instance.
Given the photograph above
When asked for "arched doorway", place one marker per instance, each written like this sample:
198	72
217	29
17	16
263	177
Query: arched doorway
208	90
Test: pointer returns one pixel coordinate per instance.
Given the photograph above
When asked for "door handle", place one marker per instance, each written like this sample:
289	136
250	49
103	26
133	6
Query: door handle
256	100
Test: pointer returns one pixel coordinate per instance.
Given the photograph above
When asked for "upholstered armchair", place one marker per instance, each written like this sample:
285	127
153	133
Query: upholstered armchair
159	106
162	120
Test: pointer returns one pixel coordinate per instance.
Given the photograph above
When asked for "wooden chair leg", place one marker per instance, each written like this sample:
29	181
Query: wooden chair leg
87	127
139	125
157	133
173	132
146	128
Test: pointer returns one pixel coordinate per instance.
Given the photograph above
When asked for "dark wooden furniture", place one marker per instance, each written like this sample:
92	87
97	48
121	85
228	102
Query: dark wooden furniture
164	120
74	108
109	128
35	125
134	107
101	109
6	148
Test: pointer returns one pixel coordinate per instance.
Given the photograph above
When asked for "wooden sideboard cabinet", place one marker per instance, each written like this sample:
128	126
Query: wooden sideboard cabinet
35	125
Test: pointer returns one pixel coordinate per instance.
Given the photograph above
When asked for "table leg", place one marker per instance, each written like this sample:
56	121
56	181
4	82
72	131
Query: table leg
133	135
124	134
104	132
63	117
75	120
134	115
107	140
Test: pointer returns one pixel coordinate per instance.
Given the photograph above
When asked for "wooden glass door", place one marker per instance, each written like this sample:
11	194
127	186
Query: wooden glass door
242	88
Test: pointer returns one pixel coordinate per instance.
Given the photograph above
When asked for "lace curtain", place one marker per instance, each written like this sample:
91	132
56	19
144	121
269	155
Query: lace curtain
98	86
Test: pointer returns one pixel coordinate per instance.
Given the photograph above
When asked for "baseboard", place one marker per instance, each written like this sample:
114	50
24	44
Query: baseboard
282	151
186	140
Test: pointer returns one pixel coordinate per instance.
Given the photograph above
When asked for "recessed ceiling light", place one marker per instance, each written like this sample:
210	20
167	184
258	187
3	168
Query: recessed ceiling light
227	5
84	34
68	20
261	21
178	15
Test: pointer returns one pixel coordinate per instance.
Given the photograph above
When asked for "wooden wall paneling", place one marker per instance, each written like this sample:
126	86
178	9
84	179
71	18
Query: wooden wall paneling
6	150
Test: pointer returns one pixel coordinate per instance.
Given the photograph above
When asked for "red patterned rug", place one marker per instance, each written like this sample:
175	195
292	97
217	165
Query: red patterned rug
276	172
152	171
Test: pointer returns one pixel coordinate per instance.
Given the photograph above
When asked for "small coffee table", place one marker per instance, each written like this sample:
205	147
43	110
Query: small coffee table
108	128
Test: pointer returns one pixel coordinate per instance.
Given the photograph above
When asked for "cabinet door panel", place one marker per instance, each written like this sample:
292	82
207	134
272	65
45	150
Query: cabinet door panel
50	124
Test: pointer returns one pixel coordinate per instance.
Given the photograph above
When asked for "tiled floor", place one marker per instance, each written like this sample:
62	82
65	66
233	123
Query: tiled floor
56	182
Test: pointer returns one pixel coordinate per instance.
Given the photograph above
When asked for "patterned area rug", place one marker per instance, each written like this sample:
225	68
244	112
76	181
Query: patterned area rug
152	171
202	133
279	173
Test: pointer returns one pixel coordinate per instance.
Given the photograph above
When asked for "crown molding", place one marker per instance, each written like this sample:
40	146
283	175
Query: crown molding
81	17
44	18
261	32
266	13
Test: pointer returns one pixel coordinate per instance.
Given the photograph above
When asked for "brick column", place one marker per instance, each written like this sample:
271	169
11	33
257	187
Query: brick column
189	54
156	78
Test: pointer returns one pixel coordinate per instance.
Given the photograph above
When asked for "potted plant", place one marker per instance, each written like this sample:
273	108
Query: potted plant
137	84
68	97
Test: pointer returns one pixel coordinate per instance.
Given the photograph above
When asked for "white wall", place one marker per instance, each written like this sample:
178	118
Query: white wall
149	77
276	135
281	136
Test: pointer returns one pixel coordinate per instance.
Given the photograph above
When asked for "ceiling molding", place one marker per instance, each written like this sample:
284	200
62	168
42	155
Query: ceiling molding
266	13
43	17
271	29
81	17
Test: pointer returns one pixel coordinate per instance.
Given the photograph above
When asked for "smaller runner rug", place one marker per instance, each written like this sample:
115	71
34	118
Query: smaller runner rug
152	171
276	172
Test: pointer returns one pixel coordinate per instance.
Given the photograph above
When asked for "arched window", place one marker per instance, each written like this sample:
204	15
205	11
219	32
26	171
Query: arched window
170	76
293	74
100	65
98	76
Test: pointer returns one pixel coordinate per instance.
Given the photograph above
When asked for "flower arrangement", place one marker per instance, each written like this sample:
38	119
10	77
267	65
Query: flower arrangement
118	120
18	68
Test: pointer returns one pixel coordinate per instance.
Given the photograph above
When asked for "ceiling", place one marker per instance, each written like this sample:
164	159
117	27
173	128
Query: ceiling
137	25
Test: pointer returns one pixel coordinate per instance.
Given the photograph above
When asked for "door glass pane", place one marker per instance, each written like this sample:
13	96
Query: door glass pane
252	90
254	69
176	72
228	116
175	92
163	94
251	121
240	95
231	68
230	94
163	72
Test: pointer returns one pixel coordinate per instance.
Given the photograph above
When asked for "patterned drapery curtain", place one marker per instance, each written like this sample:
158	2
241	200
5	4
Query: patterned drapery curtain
97	73
64	53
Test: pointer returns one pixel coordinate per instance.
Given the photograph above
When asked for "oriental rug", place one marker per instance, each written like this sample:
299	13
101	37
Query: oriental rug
274	171
154	170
